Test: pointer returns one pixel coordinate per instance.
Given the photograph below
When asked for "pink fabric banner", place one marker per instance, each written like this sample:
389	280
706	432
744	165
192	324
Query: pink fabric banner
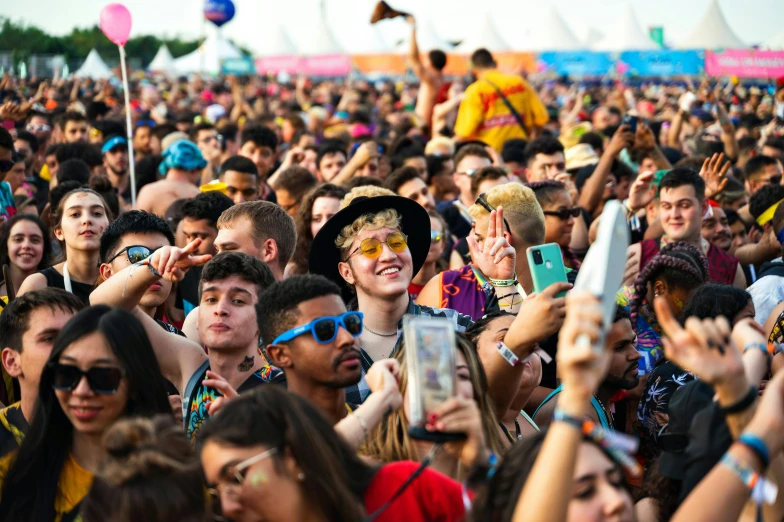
745	63
327	65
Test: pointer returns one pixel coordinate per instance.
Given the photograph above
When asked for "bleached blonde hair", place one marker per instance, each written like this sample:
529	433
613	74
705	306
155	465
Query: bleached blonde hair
524	212
440	141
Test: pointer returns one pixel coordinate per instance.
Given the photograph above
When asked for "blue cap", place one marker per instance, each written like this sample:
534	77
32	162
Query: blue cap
182	154
112	143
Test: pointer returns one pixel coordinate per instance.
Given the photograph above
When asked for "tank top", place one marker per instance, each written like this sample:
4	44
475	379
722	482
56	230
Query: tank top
721	265
55	279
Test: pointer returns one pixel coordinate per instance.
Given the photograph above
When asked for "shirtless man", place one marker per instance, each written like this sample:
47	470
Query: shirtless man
430	74
182	164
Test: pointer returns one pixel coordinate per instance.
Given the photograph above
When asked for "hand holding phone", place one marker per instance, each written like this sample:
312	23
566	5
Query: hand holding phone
545	262
631	121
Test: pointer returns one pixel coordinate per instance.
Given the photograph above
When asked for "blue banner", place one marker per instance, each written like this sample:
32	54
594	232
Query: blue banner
240	66
577	63
663	63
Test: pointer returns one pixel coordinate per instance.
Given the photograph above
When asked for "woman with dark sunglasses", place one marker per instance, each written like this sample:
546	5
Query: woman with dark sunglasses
101	368
561	219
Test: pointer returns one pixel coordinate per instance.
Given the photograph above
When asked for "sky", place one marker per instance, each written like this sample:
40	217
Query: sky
754	21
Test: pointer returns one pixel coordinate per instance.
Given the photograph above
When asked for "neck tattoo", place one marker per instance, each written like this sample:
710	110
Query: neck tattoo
246	365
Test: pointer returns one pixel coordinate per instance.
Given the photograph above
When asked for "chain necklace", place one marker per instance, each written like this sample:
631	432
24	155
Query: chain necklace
611	417
379	334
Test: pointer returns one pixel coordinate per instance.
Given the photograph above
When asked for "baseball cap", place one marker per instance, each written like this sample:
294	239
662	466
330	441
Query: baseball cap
112	142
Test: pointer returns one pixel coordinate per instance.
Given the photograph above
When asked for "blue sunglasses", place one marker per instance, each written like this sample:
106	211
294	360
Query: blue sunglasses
325	329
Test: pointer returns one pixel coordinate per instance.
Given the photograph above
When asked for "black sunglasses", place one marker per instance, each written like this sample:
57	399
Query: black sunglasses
102	380
6	165
482	202
563	213
135	253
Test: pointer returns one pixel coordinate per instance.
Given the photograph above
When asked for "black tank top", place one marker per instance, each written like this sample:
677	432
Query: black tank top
55	279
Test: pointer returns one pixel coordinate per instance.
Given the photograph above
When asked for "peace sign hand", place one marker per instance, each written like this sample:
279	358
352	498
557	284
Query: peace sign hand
714	173
495	257
172	262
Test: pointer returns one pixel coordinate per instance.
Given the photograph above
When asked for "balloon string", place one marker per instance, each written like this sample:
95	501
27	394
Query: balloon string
129	128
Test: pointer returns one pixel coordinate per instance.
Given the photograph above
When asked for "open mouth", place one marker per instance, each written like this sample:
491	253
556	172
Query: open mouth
389	271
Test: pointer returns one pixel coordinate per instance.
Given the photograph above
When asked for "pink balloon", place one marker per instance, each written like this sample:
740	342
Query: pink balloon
116	23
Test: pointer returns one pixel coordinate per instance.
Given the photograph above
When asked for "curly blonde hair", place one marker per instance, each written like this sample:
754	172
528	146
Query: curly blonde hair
388	218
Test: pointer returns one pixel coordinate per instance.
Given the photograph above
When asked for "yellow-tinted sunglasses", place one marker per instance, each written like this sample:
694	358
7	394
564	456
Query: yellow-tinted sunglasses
371	247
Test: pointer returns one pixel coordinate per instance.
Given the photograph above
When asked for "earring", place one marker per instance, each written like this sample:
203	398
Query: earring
300	476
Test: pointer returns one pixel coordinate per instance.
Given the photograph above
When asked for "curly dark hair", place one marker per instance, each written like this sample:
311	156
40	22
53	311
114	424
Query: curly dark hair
304	217
679	264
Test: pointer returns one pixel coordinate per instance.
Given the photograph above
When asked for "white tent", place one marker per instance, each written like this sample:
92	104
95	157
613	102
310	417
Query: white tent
366	39
551	34
487	37
209	56
93	67
628	36
163	62
589	36
776	43
713	32
427	39
277	43
321	42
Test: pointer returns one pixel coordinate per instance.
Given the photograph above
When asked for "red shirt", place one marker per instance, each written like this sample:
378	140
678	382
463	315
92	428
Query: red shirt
432	497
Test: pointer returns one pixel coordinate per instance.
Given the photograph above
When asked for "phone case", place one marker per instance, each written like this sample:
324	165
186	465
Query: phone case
550	270
430	346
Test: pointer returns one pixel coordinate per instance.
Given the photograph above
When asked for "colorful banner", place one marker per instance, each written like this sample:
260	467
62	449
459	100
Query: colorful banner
241	66
663	63
745	63
379	63
576	63
327	65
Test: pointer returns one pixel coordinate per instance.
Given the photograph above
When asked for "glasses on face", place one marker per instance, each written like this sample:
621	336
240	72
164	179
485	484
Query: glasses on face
325	329
436	236
38	128
563	213
482	202
371	247
135	253
231	481
6	165
104	380
470	172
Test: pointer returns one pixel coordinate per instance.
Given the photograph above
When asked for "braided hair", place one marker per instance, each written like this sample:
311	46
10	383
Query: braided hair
679	264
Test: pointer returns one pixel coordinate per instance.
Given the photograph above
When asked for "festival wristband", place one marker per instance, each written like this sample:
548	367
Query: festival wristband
152	268
761	489
741	405
757	446
503	282
513	360
767	349
361	423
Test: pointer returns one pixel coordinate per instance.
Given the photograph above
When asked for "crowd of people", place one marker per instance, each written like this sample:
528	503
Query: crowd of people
226	342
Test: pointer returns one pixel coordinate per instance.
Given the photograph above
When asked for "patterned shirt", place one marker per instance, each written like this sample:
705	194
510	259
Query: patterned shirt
357	393
648	332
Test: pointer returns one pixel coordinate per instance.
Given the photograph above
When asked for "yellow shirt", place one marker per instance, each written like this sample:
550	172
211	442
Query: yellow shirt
483	115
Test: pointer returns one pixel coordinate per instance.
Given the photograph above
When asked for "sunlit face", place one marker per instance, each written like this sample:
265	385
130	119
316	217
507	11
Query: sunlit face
90	412
157	293
116	160
261	156
26	246
323	209
716	229
227	314
84	220
75	131
739	236
546	166
436	247
417	190
468	166
331	164
200	229
208	143
419	163
387	276
680	212
238	238
598	493
241	187
16	176
623	361
557	230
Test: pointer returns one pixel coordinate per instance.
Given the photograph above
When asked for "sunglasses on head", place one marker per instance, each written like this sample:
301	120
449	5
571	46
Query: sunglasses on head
135	253
325	329
371	247
482	202
436	236
104	380
563	213
6	165
38	128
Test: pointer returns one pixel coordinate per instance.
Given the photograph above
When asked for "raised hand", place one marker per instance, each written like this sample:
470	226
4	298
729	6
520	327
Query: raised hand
644	138
714	173
640	193
384	378
460	415
172	262
540	316
222	385
495	257
622	138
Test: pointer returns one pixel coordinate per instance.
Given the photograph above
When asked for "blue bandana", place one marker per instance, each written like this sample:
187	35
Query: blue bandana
183	155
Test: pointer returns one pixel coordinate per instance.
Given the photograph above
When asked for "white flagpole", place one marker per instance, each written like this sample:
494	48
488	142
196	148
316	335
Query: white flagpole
129	128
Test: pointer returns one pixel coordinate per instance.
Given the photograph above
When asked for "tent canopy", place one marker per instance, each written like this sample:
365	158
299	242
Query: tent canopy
163	61
552	34
277	43
322	42
589	36
427	39
366	39
93	67
209	56
487	37
776	43
713	32
628	36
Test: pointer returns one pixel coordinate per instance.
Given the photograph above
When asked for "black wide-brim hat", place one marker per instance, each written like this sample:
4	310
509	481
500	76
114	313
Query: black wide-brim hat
414	222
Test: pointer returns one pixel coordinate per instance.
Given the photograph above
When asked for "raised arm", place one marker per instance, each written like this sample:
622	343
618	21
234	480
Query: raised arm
413	51
591	195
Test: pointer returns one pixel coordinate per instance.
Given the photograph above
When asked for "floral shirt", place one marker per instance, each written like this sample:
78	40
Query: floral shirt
647	329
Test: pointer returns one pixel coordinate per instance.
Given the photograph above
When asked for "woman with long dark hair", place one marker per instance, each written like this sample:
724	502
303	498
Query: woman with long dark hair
271	455
25	248
319	205
102	367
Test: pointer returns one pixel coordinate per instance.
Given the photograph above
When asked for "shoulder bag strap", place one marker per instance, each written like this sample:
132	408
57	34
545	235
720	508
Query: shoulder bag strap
509	106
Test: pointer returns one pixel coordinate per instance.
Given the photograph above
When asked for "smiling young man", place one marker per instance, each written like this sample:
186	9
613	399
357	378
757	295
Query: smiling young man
230	286
682	205
28	327
310	335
